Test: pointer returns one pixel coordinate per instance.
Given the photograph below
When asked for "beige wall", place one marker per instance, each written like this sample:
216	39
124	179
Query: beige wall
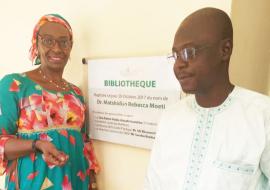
250	66
102	29
269	79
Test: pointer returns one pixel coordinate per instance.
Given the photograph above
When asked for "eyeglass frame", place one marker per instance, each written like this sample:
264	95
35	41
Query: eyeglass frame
184	55
54	40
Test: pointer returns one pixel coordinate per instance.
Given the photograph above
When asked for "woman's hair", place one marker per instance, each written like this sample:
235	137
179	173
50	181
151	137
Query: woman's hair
33	52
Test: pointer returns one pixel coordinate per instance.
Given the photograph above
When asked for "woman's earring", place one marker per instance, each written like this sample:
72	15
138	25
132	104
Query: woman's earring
37	61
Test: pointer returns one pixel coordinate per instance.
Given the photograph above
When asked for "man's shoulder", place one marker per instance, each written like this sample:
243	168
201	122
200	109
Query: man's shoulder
181	104
252	98
247	93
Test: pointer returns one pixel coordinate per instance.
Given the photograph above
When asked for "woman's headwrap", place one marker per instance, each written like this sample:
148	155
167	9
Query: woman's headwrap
33	52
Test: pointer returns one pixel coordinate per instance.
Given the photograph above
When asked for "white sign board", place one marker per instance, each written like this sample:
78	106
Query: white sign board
127	97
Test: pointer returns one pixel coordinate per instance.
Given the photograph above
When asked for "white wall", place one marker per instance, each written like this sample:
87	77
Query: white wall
102	29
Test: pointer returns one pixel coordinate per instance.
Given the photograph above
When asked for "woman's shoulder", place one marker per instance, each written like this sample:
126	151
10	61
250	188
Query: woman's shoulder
11	83
12	76
76	89
15	82
17	78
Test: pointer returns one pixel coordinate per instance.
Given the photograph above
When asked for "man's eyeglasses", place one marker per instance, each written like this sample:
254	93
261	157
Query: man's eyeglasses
49	42
186	54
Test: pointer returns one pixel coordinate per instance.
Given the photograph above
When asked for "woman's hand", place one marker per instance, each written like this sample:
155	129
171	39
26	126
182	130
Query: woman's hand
50	154
93	182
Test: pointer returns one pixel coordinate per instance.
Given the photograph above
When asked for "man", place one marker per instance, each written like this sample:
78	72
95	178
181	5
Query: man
218	138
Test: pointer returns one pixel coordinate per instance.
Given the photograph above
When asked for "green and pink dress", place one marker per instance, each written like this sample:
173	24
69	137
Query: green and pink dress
28	111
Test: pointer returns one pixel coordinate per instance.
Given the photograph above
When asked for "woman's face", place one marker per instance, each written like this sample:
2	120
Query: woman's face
54	46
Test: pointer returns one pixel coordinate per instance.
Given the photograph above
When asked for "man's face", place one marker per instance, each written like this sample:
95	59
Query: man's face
196	66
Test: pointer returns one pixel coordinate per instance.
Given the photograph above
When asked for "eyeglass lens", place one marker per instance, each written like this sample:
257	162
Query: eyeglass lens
50	42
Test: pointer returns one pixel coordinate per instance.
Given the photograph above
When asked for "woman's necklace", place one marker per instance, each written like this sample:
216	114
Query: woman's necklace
62	85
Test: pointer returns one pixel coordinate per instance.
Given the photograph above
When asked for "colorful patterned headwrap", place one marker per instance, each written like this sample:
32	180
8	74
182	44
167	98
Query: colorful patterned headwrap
33	53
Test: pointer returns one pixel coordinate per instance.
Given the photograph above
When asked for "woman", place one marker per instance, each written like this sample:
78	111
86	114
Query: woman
43	139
